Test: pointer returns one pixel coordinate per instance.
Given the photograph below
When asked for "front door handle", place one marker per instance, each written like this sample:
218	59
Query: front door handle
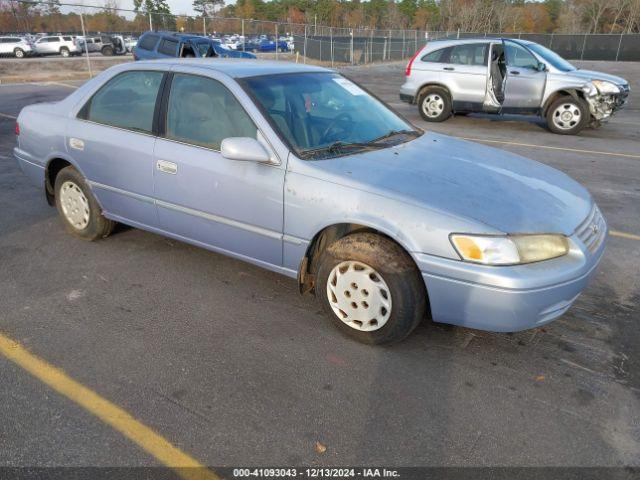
514	72
167	167
449	68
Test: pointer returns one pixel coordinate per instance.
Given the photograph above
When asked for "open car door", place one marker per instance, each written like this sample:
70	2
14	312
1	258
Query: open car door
525	79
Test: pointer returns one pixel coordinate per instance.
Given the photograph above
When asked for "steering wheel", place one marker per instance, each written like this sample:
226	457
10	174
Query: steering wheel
343	123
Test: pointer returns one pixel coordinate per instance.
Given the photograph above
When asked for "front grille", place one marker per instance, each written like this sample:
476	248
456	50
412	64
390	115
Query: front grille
592	230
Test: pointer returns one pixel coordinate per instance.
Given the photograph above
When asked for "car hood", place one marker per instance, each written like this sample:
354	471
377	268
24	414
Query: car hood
592	75
497	188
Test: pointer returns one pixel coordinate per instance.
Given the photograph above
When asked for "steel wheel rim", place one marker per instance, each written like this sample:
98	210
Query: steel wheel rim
433	105
75	206
359	296
567	116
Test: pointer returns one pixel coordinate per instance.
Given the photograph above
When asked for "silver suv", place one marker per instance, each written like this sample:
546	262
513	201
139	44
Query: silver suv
15	46
509	76
65	45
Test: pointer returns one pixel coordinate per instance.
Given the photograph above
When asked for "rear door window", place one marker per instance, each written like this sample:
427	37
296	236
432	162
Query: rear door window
148	42
168	47
469	54
126	101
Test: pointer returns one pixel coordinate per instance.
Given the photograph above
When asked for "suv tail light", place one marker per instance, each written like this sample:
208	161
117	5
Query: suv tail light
407	70
17	129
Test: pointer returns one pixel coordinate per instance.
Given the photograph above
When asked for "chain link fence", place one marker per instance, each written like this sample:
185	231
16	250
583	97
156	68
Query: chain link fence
306	42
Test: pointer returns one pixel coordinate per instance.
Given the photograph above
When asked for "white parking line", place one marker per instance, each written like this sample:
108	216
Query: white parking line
4	115
548	147
60	84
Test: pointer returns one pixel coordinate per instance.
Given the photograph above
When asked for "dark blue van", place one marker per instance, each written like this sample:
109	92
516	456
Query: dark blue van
152	45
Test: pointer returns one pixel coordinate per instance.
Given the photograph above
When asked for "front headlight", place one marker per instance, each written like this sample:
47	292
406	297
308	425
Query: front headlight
606	87
510	249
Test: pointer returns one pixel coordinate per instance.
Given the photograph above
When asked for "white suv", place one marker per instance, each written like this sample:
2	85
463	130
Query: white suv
65	45
15	46
502	75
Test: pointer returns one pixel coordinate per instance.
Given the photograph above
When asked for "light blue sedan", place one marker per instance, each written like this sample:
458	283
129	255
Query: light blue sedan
299	170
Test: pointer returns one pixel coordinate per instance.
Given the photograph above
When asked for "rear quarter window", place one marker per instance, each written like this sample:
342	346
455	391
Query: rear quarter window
148	42
437	56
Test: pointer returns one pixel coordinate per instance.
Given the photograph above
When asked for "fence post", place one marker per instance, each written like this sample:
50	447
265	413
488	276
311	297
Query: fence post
304	48
277	41
403	44
584	42
551	42
458	35
619	45
150	22
244	40
352	46
204	25
331	44
86	45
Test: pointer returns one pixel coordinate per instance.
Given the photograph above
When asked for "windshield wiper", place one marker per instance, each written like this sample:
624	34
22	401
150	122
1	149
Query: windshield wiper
339	146
393	133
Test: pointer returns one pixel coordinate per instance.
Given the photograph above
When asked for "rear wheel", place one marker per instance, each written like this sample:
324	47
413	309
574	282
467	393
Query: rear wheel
435	104
79	210
64	51
370	288
107	51
19	53
567	116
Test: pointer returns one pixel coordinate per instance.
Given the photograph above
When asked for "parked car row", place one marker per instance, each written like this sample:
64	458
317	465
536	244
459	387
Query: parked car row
65	45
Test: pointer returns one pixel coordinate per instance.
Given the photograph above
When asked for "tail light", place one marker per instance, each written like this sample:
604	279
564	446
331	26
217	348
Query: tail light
407	70
17	129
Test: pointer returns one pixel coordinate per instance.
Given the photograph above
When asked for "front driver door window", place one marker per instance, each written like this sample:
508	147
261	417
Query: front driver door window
225	204
525	83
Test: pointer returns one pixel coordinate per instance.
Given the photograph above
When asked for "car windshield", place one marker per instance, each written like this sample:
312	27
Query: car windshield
325	115
552	57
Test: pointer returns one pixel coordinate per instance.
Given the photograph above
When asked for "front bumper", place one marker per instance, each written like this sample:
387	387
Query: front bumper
509	299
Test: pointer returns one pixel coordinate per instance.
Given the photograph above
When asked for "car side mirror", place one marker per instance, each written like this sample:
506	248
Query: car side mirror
542	67
244	148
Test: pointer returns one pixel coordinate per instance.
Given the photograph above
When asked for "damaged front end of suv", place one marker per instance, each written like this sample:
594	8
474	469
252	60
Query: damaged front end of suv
604	98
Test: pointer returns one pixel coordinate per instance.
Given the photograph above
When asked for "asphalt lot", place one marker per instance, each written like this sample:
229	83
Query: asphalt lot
231	365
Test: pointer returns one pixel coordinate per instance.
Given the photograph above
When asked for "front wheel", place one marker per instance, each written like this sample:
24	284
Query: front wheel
79	210
19	53
567	116
64	52
370	288
435	104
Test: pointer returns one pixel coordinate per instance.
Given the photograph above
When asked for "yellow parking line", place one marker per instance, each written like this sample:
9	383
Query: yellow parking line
184	466
630	236
4	115
532	145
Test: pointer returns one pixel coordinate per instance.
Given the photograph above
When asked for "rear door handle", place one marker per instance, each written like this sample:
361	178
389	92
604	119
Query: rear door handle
514	72
449	68
167	167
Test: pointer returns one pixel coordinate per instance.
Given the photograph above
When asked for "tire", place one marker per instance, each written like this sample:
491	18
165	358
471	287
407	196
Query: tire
107	51
64	51
435	104
394	296
19	53
576	116
73	194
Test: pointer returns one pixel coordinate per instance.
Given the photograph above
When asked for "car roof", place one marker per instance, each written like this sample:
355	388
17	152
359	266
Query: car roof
238	67
443	42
